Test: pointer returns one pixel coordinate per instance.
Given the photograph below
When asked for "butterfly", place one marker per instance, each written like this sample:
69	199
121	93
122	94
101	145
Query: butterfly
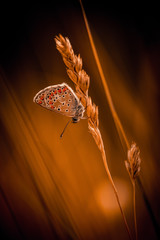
61	98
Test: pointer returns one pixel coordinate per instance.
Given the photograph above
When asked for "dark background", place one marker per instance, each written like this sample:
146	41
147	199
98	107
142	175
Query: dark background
127	37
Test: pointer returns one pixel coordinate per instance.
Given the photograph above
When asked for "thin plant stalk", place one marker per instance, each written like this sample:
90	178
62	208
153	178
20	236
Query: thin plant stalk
111	106
115	191
134	208
118	124
107	92
82	80
133	166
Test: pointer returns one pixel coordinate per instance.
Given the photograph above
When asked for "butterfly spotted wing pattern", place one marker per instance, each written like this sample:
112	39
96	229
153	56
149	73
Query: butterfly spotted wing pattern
58	98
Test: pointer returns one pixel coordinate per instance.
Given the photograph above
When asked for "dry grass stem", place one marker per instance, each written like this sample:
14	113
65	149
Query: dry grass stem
133	170
106	88
133	167
134	209
82	80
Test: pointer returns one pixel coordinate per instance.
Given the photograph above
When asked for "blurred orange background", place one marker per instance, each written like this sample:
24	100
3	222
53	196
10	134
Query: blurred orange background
52	188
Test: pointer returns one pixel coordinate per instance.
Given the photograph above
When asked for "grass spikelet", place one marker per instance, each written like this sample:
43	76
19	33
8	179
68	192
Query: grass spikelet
74	66
82	81
133	167
133	162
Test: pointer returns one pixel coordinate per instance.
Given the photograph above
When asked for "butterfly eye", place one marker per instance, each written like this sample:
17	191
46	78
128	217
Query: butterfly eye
66	110
68	104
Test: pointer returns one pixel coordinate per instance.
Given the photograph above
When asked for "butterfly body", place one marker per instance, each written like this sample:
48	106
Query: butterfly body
62	99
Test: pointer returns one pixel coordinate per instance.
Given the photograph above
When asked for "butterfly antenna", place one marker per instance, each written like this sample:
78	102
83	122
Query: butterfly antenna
65	128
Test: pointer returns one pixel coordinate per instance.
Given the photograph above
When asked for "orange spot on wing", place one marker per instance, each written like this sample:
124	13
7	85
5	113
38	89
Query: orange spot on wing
64	89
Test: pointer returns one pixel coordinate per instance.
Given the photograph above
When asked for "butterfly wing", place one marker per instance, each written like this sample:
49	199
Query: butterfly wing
58	98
